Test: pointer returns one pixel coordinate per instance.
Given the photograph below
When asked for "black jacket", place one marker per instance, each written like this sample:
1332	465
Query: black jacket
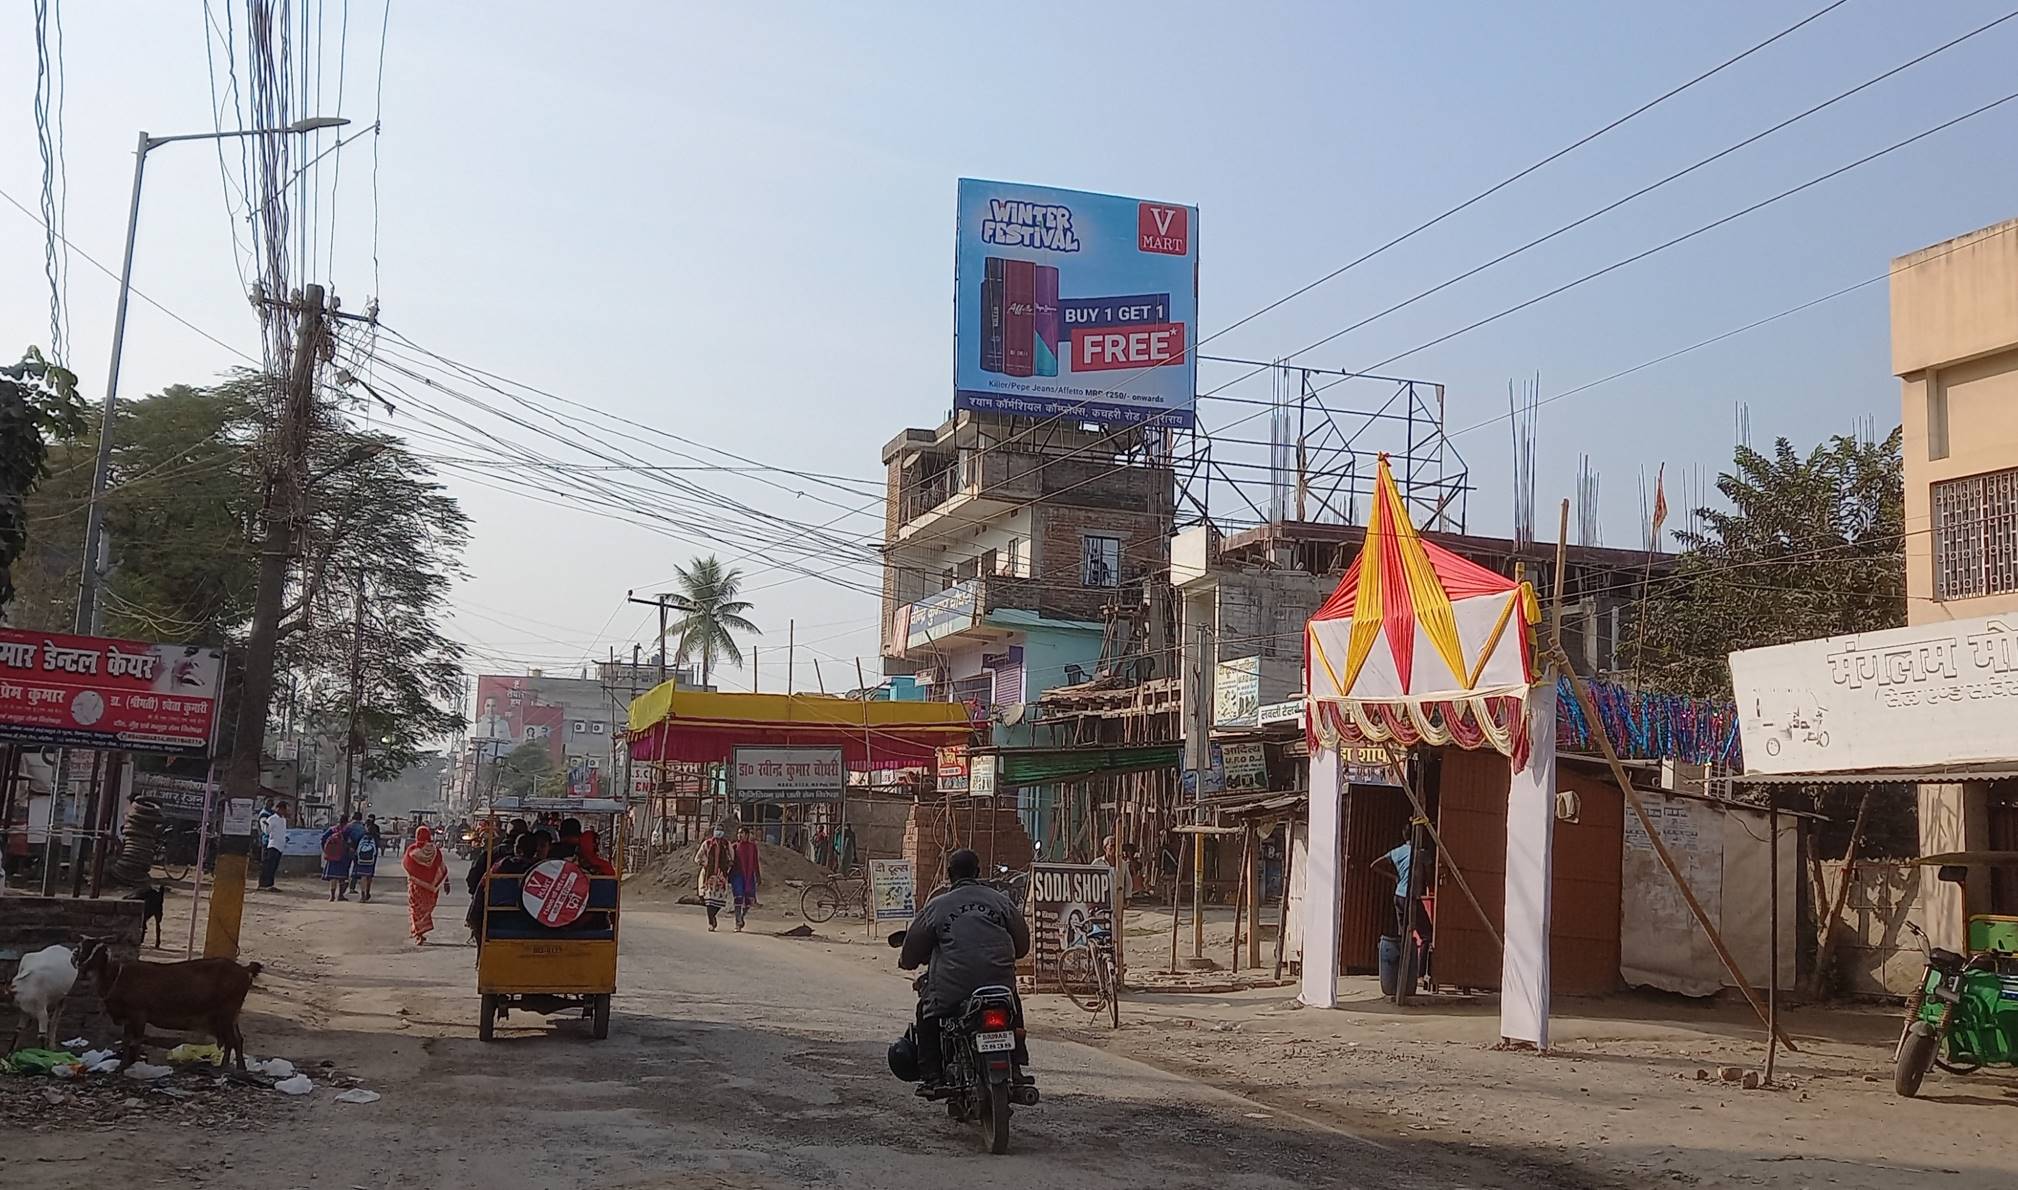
972	936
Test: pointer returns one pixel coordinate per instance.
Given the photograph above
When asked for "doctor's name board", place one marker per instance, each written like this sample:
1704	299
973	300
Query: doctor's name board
1928	695
788	774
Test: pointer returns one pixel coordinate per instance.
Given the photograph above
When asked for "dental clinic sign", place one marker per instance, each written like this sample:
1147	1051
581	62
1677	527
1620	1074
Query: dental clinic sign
1924	696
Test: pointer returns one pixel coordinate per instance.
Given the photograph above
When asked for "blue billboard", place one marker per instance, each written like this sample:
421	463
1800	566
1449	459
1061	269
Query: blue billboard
1074	304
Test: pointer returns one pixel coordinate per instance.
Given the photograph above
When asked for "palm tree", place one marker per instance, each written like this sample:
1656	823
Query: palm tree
712	613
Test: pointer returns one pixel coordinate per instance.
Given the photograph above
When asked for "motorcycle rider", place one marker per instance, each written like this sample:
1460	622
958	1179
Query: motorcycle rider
972	936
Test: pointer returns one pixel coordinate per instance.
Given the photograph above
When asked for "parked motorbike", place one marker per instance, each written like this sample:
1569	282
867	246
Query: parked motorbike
1966	1007
979	1050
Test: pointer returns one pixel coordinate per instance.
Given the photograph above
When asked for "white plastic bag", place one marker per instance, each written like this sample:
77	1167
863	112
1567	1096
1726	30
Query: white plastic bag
358	1095
272	1067
147	1072
298	1085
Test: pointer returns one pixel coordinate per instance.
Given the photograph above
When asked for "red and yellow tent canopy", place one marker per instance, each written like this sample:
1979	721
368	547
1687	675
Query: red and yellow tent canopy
702	725
1418	644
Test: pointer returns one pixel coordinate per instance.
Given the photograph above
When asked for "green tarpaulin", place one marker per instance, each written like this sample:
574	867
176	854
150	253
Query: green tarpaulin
1050	766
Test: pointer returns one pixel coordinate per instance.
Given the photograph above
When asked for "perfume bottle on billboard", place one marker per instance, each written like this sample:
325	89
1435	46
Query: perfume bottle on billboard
1049	321
1019	303
991	316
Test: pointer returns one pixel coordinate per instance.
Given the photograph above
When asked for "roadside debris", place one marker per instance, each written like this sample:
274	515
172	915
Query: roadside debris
300	1084
359	1095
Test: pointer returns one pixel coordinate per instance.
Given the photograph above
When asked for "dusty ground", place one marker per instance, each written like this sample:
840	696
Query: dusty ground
752	1060
734	1061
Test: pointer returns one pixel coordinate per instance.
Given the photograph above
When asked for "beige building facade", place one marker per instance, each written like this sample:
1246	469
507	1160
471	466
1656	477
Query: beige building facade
1955	351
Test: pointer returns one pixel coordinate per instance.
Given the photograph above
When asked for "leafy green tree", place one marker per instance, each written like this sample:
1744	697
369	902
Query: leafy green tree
38	402
526	771
710	615
1811	545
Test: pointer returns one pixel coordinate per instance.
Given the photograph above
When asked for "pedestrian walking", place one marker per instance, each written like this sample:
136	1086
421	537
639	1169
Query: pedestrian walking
715	859
848	856
336	858
426	871
273	829
364	864
743	876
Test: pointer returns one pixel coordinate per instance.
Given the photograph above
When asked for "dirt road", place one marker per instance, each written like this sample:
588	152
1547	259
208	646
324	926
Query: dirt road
734	1061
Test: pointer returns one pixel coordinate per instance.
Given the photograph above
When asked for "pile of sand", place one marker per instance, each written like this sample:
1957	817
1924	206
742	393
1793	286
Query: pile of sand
777	866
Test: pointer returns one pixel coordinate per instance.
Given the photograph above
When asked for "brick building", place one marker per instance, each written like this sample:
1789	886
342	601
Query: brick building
1006	542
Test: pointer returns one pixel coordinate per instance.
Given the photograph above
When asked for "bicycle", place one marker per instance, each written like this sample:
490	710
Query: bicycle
849	894
1086	969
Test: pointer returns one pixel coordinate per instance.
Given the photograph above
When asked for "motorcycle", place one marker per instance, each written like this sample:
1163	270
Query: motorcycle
1966	1007
981	1075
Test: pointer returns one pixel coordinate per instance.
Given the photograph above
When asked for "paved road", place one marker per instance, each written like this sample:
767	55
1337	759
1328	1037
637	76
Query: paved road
734	1061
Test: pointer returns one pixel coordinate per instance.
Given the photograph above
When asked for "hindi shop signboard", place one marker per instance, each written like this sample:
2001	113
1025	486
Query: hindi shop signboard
1076	305
788	774
1063	899
95	692
1246	767
178	797
953	768
893	889
1918	697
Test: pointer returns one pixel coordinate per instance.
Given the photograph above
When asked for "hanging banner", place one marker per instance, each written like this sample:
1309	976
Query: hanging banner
893	889
1078	305
981	776
788	774
1063	899
953	769
97	692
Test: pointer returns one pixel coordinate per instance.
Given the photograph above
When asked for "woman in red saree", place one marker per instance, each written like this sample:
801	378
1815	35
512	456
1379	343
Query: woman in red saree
426	876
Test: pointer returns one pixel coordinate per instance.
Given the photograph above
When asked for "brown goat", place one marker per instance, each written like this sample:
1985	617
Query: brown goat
198	994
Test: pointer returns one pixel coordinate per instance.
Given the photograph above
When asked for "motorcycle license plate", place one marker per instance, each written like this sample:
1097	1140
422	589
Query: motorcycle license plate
995	1043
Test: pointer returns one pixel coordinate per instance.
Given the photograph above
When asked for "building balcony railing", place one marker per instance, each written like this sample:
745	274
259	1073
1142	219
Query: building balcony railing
1004	479
959	613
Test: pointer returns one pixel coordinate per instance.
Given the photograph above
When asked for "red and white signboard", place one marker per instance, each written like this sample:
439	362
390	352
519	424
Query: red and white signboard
556	892
95	692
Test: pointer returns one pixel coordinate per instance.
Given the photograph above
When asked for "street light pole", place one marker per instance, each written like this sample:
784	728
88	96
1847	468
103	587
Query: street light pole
90	617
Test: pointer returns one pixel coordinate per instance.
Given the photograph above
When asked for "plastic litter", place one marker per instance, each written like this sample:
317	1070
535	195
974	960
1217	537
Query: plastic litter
77	1043
197	1053
100	1061
147	1071
37	1061
300	1084
358	1095
272	1067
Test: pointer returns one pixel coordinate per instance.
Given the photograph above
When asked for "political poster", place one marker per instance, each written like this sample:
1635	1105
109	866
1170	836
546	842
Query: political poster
1070	304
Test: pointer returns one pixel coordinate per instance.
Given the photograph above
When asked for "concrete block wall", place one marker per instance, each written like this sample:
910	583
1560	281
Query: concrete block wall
28	924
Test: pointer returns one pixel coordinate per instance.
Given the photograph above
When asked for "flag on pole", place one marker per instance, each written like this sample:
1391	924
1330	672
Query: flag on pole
1660	506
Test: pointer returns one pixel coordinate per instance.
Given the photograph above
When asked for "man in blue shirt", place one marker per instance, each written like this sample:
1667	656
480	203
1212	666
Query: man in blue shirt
1399	859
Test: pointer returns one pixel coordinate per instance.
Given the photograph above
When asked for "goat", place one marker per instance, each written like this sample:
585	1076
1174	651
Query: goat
39	986
197	994
150	898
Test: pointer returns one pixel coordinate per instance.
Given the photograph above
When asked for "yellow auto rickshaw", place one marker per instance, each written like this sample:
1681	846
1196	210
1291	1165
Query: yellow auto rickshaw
547	937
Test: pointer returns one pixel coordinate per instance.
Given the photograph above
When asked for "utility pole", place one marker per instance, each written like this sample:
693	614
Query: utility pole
352	741
278	542
658	601
791	655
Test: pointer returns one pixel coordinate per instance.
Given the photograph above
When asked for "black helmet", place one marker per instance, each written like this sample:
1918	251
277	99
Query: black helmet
904	1057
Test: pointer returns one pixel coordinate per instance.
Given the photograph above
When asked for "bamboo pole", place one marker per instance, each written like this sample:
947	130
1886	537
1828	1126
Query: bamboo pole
1827	942
1625	784
1239	900
1254	896
1288	870
1176	891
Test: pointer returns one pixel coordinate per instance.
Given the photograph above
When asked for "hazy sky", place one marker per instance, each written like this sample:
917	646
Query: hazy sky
734	222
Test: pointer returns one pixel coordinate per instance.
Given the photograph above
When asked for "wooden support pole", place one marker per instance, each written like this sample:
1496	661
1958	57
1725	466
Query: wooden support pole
1239	899
1443	854
1198	896
1176	891
1827	942
1288	869
1625	784
1253	875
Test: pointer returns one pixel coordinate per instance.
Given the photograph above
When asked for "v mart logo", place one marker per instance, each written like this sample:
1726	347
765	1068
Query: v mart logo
1163	229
